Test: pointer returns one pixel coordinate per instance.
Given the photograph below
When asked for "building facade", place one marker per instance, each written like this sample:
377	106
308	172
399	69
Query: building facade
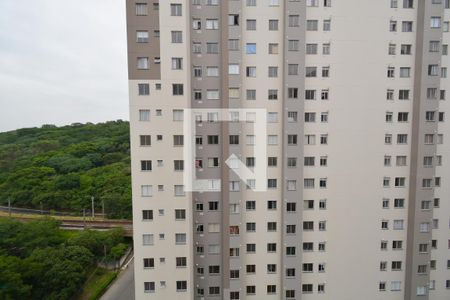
356	200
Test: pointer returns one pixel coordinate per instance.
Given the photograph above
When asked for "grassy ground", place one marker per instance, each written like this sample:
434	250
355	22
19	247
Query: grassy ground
97	284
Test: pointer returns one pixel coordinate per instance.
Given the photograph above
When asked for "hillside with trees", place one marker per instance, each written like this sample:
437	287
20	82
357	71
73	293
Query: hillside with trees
40	261
61	168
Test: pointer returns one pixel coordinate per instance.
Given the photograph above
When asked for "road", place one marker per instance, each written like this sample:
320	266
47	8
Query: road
123	287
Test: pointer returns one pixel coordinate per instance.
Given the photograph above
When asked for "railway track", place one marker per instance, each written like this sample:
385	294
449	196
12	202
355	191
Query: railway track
71	222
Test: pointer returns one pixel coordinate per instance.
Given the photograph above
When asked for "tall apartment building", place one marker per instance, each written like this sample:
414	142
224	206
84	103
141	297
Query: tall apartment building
357	204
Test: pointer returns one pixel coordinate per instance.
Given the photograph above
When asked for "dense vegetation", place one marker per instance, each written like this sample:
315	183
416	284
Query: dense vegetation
60	168
40	261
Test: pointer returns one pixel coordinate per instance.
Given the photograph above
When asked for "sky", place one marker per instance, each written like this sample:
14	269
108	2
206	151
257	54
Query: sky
62	62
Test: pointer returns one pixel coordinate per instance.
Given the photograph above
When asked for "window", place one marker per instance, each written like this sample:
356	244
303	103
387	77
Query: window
273	72
326	25
310	94
401	160
400	181
181	285
147	215
292	162
147	239
146	165
273	48
396	285
251	71
391	72
435	22
250	48
271	289
393	26
233	69
391	50
273	25
272	204
233	20
325	72
175	9
403	94
197	71
212	24
293	45
307	288
312	3
234	139
142	63
271	247
143	89
179	190
429	139
292	116
180	238
177	36
250	205
445	26
408	3
149	263
196	24
272	94
293	93
251	94
149	287
251	24
196	47
396	265
212	48
212	71
405	72
311	72
292	69
272	117
326	49
312	25
212	94
146	190
310	139
177	89
141	9
181	262
142	36
407	26
432	93
390	95
251	2
293	20
435	46
405	49
433	70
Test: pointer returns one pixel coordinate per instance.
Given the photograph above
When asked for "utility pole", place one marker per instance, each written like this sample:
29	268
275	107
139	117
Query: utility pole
103	208
84	218
42	211
93	209
9	206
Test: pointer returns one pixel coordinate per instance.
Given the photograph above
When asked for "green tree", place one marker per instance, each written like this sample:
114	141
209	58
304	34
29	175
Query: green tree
12	285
